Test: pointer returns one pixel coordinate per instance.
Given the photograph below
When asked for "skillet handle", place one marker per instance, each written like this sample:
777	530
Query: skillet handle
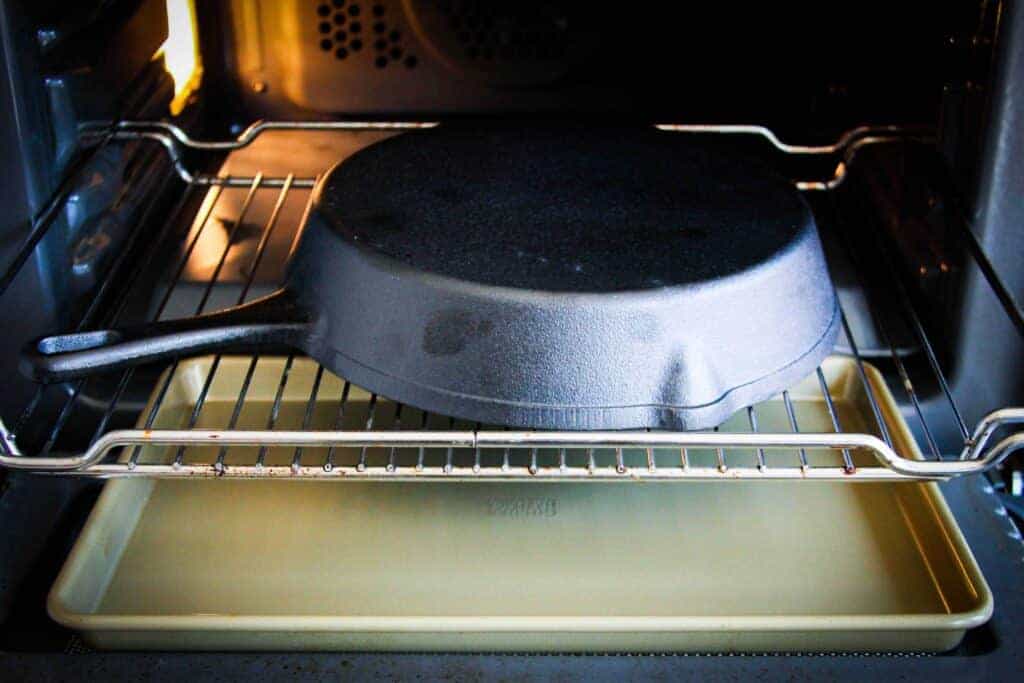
275	320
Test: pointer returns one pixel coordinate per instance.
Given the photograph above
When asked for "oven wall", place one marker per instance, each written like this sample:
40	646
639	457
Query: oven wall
64	65
775	63
989	353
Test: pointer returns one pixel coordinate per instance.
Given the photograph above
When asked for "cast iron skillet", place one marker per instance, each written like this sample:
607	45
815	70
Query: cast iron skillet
549	278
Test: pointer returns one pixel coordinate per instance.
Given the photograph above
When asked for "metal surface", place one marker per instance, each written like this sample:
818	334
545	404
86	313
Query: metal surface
976	456
987	369
511	276
143	573
668	456
995	652
137	576
890	465
174	141
446	269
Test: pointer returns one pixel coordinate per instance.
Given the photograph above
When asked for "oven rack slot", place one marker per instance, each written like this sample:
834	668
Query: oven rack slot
664	455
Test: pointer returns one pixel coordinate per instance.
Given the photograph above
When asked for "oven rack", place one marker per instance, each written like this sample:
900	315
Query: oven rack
114	452
174	141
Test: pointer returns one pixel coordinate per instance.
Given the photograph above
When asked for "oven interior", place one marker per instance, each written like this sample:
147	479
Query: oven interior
161	159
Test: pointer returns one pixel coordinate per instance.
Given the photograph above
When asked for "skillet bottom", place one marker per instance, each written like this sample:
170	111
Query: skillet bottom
493	411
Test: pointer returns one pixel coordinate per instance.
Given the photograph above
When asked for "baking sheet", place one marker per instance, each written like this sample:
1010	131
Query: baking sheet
682	566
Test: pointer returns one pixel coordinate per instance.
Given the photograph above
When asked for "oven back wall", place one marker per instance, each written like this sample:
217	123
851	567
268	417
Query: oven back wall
770	64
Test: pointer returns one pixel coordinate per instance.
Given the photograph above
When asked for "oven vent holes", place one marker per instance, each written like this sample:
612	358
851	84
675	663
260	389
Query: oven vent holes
347	28
500	32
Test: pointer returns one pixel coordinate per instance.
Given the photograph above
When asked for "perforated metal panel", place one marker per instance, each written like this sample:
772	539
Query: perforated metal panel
350	29
504	42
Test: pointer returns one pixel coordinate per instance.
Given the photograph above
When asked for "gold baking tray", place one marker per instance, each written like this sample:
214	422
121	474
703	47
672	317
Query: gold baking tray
802	566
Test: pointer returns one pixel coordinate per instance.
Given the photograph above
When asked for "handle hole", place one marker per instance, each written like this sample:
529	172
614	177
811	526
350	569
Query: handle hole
67	343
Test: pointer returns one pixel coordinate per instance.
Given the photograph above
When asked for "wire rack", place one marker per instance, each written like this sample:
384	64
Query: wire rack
389	441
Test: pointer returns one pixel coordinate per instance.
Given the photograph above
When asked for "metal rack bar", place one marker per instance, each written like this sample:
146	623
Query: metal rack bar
88	318
257	259
869	392
889	466
173	139
275	411
845	141
752	419
339	420
1006	298
476	455
847	461
392	452
922	335
894	467
720	455
237	410
370	413
248	136
449	452
308	416
260	249
211	373
506	455
421	453
791	414
882	328
175	279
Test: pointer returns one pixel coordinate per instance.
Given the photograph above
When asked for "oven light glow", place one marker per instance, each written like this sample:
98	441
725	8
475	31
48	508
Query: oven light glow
181	52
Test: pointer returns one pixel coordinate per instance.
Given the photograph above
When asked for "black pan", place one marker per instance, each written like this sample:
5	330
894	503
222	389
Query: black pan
555	278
